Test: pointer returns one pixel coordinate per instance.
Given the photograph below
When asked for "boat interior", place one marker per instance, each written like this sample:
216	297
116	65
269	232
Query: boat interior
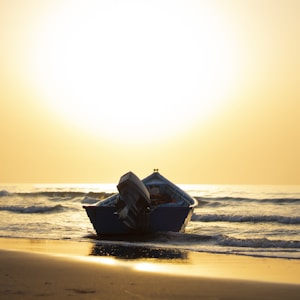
161	194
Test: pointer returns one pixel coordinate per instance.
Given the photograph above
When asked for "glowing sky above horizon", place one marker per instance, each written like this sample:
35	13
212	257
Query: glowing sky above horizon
206	91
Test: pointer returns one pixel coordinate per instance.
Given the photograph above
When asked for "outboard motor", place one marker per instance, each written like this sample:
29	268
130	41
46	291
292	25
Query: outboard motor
133	204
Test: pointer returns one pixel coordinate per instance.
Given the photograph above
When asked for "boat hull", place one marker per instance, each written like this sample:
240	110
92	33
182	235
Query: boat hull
106	221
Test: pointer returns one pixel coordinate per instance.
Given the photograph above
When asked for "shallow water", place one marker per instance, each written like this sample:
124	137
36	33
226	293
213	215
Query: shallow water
247	220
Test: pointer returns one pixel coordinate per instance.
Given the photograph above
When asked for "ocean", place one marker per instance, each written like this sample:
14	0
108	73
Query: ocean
258	221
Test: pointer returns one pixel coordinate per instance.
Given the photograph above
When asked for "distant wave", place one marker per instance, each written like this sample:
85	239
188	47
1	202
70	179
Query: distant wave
4	193
210	203
224	201
241	218
89	200
33	209
57	195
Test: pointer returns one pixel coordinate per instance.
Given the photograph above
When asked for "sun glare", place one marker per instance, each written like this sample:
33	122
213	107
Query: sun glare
131	70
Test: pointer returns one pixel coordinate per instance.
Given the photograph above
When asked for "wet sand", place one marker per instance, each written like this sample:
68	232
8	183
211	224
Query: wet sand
64	269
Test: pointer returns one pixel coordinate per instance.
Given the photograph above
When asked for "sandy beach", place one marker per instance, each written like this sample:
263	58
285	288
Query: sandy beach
64	269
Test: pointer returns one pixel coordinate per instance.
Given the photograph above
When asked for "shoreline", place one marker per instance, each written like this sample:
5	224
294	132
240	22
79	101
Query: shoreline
61	268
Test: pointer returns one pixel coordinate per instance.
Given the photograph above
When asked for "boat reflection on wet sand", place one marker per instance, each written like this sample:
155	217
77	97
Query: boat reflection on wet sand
129	252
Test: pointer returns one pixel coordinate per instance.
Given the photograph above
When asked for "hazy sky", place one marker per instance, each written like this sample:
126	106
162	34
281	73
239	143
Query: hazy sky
206	91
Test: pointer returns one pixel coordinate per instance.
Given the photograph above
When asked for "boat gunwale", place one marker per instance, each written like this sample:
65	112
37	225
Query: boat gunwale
191	200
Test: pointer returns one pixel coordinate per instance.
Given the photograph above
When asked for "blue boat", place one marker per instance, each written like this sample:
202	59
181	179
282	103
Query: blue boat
153	204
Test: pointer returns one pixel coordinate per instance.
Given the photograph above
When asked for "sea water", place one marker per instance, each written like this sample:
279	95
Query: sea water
233	219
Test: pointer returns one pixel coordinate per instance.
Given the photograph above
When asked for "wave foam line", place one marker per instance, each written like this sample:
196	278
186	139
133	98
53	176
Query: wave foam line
241	219
33	209
257	243
211	200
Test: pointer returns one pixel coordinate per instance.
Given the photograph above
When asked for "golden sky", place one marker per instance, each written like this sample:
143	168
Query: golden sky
206	91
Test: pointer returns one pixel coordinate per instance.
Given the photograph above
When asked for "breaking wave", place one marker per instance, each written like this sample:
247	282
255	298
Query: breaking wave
182	240
196	242
257	243
4	193
242	218
89	200
34	209
56	195
224	201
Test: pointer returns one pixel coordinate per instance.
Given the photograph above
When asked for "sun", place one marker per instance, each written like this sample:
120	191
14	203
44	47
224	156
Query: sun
132	70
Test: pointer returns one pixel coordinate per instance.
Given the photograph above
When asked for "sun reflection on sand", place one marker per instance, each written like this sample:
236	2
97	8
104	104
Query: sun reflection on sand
207	265
146	267
194	264
106	260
